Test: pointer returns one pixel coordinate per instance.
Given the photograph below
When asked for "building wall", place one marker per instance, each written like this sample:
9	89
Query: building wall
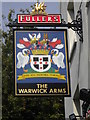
88	13
80	62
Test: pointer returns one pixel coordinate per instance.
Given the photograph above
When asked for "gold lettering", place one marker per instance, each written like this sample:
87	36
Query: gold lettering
34	90
59	90
55	90
51	91
64	90
21	90
42	86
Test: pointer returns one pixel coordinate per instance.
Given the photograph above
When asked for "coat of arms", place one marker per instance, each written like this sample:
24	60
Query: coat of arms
40	54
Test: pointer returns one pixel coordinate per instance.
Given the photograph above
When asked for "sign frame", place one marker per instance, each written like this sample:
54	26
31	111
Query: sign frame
67	62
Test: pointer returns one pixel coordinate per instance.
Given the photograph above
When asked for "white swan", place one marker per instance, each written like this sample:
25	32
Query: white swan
35	37
23	59
58	59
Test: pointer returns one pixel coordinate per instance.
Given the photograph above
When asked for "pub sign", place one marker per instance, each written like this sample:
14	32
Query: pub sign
41	56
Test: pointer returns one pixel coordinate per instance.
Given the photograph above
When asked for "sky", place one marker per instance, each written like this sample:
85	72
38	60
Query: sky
0	11
31	0
52	7
45	0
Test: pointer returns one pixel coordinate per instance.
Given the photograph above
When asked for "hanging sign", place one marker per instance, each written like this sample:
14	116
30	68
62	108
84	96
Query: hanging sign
41	62
41	55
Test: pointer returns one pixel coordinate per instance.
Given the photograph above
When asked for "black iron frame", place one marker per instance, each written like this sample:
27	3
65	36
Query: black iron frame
75	25
78	25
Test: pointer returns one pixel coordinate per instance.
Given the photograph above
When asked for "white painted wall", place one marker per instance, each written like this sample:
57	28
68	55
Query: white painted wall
80	65
88	13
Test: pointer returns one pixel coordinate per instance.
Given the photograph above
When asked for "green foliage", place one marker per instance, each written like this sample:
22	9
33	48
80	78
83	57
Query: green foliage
30	108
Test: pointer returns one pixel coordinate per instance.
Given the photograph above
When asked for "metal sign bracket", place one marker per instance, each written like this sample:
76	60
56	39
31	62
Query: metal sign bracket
78	25
75	25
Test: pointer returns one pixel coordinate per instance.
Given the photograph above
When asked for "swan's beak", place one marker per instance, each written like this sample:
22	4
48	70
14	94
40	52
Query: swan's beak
52	52
33	34
28	52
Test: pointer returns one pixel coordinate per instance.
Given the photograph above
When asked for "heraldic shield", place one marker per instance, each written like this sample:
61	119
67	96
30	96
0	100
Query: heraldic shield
40	63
